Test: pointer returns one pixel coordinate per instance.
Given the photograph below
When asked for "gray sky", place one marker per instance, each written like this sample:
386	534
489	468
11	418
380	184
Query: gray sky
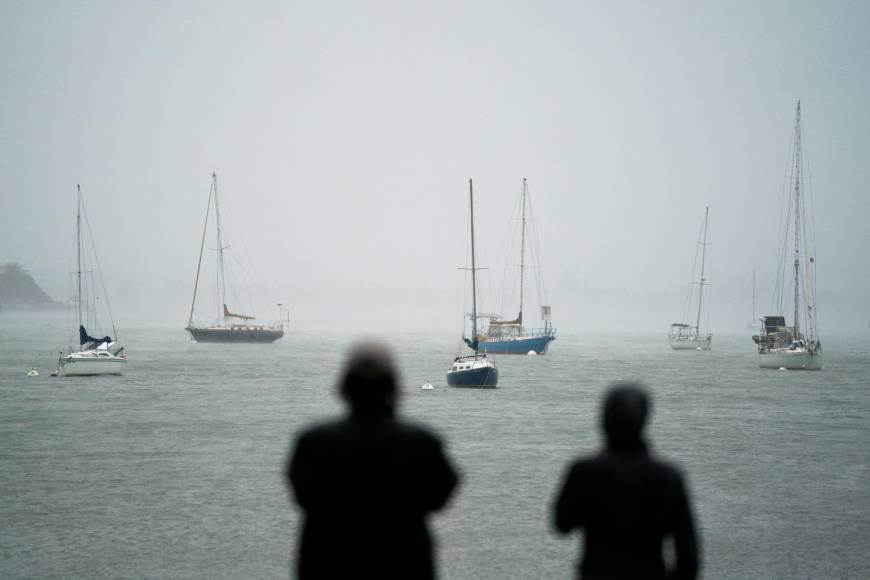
343	135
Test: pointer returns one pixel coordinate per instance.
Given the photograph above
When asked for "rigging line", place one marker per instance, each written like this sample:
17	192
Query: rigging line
461	279
536	253
248	272
201	248
100	273
809	238
782	256
690	295
508	287
785	210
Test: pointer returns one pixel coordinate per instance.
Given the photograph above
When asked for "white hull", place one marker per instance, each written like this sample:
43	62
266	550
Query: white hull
702	343
793	360
75	365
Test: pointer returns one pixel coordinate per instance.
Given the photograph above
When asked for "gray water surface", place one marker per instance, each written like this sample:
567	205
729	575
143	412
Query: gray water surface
174	470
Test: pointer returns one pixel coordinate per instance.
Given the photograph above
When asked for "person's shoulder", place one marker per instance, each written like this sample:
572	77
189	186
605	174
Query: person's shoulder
586	463
322	430
668	469
417	432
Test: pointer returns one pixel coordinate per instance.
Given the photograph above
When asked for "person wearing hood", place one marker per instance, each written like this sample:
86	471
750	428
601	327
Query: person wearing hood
627	502
366	482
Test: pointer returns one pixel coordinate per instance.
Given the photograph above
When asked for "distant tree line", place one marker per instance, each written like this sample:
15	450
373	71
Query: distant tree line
18	288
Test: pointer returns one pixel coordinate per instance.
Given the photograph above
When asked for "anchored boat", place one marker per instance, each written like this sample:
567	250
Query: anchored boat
510	336
472	370
795	347
93	356
229	326
685	336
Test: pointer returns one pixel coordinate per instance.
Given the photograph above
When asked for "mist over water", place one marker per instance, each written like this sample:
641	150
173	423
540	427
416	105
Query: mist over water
343	136
175	468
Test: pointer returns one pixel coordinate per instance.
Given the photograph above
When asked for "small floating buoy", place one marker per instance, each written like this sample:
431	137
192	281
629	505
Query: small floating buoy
32	373
55	372
783	369
427	386
531	353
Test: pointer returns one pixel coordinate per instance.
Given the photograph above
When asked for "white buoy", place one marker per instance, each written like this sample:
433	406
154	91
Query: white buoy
783	369
32	373
55	372
427	386
532	353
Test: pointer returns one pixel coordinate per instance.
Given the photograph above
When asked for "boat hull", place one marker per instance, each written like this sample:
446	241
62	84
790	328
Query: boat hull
235	335
521	345
791	360
89	367
702	343
481	377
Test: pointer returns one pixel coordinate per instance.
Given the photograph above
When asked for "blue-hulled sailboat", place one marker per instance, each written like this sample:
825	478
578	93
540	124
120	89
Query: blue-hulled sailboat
510	336
472	370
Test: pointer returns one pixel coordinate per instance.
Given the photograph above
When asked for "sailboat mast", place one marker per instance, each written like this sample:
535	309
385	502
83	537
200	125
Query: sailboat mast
797	218
701	282
201	249
523	252
473	272
79	252
222	284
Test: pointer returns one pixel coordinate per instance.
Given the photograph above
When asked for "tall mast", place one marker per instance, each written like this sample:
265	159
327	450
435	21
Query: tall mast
201	248
222	284
473	272
522	252
797	218
79	251
701	282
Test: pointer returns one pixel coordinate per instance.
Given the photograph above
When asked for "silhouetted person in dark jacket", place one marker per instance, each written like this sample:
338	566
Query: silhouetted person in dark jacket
367	481
626	502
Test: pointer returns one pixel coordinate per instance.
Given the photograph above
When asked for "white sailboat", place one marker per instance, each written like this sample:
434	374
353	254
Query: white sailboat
795	347
685	336
95	356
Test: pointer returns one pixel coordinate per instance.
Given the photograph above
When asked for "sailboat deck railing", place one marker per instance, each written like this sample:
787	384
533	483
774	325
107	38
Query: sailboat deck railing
523	333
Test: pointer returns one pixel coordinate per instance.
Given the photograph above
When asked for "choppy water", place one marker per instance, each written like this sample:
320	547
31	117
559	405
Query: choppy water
174	470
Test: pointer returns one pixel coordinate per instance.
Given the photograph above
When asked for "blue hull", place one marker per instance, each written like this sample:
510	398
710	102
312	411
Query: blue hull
486	377
539	344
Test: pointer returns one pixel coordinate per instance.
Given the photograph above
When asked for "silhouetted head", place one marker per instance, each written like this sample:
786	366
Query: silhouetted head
369	382
624	414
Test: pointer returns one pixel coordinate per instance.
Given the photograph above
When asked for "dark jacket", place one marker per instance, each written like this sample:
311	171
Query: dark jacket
626	502
366	484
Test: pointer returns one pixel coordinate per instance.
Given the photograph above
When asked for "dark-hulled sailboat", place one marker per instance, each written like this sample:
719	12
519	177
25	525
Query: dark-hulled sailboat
472	370
230	326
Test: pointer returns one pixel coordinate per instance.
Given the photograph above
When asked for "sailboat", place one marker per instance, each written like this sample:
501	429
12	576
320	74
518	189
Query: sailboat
685	336
797	346
95	356
472	370
510	336
229	326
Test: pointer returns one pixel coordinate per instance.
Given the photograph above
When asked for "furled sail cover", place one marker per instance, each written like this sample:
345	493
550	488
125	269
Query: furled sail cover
85	339
228	314
518	321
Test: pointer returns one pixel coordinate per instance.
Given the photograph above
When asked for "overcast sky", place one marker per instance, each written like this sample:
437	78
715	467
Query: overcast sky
344	133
